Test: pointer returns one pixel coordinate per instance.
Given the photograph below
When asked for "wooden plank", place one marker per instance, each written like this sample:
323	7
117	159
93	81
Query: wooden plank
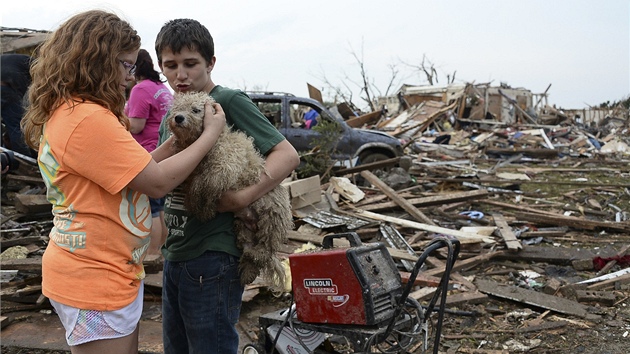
542	327
391	193
304	192
623	279
368	166
441	199
314	93
26	179
33	264
510	239
470	298
32	203
421	279
552	255
4	244
423	293
358	122
465	264
436	263
531	297
463	237
573	222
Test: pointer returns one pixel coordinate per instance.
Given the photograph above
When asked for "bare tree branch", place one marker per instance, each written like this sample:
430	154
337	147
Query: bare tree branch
428	69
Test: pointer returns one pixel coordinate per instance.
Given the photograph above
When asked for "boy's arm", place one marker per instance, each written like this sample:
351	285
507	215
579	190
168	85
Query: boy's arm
279	163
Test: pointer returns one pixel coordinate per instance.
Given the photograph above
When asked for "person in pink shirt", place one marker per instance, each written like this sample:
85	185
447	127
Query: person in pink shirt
149	100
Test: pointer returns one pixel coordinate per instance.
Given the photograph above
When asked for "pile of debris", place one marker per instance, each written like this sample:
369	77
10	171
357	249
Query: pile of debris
541	213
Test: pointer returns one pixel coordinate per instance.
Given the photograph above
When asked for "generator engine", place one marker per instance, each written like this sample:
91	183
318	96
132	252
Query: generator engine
357	285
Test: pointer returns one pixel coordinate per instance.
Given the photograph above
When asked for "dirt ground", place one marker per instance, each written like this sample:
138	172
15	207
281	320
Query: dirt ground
496	326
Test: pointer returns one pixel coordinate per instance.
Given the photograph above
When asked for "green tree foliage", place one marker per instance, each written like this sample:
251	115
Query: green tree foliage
318	161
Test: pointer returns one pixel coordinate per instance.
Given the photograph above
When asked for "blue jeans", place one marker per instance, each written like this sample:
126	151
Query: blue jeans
201	304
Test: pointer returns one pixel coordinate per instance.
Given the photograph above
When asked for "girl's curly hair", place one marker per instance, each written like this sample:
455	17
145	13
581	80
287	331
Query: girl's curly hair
79	62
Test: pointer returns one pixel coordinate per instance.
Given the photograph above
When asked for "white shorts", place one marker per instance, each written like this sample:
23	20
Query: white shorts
84	326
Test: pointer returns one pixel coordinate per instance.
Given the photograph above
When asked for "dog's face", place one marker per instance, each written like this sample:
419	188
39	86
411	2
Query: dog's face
185	119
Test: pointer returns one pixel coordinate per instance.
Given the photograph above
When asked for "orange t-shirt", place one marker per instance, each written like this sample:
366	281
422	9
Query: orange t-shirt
100	226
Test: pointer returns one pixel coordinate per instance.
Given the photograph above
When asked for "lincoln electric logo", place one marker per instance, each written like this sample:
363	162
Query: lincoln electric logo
320	286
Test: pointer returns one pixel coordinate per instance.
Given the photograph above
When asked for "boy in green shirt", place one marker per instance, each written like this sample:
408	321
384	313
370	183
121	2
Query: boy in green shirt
201	293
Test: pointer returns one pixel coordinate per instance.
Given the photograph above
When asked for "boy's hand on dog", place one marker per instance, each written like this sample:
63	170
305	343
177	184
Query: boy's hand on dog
233	201
249	217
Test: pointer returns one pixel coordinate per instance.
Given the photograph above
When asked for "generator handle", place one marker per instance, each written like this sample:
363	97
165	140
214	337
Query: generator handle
352	237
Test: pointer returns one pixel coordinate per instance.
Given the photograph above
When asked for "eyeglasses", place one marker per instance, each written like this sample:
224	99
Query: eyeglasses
129	67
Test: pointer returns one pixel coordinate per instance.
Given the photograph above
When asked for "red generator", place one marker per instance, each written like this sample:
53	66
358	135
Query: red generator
357	285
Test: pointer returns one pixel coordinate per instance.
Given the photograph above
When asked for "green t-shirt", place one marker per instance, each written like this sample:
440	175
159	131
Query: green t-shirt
188	237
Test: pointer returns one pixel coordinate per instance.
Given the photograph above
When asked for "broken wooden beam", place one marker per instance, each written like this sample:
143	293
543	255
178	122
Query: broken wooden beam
391	193
512	243
573	222
531	297
465	264
441	199
463	237
552	255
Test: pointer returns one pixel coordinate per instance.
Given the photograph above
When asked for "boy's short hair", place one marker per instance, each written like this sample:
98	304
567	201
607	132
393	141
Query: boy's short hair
183	32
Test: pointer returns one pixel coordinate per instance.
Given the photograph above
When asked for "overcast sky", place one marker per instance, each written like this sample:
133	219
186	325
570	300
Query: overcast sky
580	47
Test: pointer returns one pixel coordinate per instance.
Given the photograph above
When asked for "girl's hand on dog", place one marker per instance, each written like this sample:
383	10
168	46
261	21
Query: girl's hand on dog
214	118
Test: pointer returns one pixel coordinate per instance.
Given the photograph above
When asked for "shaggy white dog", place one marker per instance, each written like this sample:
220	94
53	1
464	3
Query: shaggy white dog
233	163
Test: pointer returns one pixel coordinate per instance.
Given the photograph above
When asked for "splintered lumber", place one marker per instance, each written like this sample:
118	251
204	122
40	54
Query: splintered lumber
368	118
442	199
518	107
573	222
470	298
510	239
622	279
307	237
368	166
532	297
552	255
464	264
543	327
391	193
514	207
537	153
463	237
4	244
603	281
32	203
33	264
436	263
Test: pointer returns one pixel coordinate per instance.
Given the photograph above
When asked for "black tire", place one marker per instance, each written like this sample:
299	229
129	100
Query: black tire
366	158
253	349
372	157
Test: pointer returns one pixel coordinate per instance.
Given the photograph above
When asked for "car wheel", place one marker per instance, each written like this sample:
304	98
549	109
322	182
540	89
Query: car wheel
366	159
253	349
372	157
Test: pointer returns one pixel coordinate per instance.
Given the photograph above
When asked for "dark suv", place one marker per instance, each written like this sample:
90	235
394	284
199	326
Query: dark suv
287	113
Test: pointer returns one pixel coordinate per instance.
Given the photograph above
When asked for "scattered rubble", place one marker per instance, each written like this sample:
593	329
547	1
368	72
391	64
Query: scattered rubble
541	211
